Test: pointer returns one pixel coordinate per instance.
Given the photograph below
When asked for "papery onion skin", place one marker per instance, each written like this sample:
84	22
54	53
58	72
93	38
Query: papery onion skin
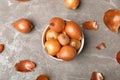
25	66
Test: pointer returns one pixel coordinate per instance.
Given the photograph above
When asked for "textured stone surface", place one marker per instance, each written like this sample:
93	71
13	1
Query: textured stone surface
20	46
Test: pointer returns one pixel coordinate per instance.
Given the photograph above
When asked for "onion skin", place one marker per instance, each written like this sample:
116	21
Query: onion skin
72	4
57	24
67	53
24	66
90	25
112	19
73	30
101	46
23	25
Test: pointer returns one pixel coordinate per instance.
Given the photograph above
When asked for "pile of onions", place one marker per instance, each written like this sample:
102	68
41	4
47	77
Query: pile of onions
62	39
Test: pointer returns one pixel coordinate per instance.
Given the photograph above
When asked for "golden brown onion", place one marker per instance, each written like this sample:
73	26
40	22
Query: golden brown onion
42	77
63	39
50	34
52	46
66	53
73	30
75	43
112	19
96	76
23	25
72	4
57	24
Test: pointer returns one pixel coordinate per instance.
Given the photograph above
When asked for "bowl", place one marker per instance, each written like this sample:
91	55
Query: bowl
44	39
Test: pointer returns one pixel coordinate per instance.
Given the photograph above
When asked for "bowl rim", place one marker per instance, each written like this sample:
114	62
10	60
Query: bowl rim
43	41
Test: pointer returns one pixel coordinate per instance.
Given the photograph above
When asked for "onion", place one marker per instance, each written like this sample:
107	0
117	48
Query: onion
90	25
96	76
50	34
73	30
57	24
72	4
75	43
112	19
22	25
67	53
63	39
52	46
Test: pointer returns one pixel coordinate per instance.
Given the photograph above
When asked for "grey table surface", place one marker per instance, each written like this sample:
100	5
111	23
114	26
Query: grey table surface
19	46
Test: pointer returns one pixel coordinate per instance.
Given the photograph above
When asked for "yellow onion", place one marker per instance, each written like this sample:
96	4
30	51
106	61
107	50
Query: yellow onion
73	30
67	53
72	4
57	24
112	19
23	25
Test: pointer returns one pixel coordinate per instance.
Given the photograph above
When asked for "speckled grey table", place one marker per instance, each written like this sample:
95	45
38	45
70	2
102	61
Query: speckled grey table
20	46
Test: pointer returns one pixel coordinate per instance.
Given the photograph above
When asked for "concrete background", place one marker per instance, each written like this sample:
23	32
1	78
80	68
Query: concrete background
20	46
